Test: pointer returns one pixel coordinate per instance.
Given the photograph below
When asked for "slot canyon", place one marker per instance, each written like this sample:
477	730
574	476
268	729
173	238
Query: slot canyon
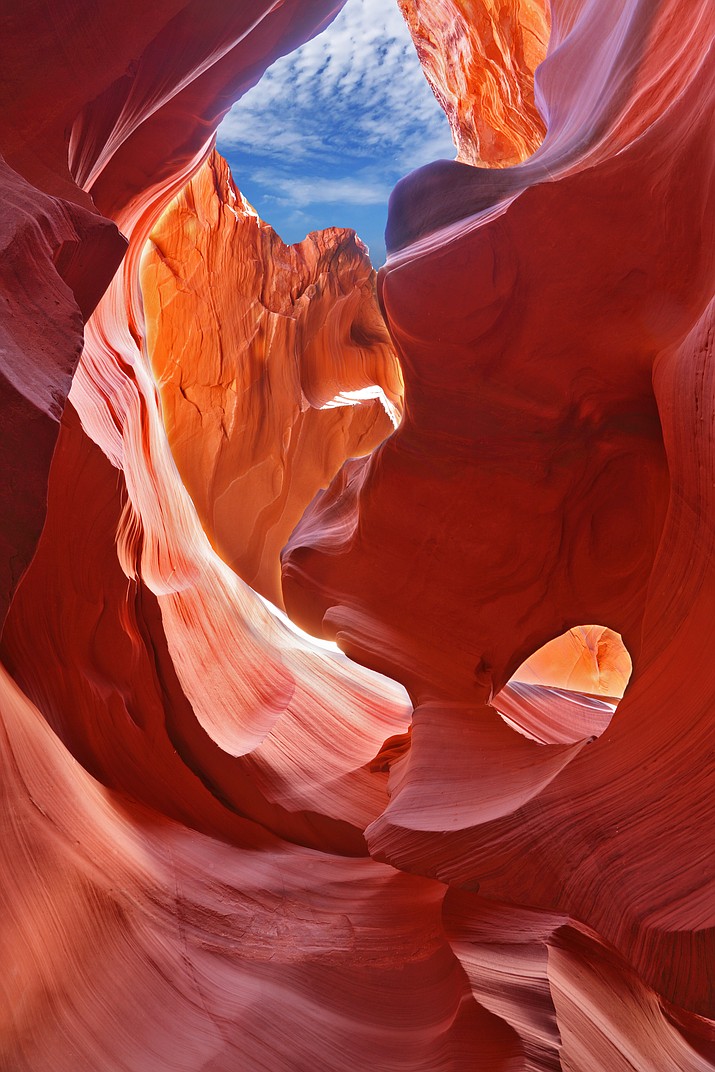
356	690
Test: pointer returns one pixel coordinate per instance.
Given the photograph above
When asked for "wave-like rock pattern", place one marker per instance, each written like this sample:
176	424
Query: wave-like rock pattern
56	258
224	846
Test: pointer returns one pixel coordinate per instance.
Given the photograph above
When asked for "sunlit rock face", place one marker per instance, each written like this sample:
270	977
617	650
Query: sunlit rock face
225	846
569	689
480	56
588	659
262	353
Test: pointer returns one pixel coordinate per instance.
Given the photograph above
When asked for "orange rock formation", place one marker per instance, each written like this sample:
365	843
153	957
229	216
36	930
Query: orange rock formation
261	353
480	56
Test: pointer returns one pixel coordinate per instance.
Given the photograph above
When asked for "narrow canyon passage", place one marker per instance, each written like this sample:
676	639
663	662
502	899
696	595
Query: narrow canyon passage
453	813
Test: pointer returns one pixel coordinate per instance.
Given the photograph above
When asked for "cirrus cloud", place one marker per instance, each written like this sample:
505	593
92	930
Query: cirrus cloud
327	132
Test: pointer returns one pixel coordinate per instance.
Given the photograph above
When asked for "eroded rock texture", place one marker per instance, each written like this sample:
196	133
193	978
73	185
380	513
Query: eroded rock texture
480	56
258	349
223	845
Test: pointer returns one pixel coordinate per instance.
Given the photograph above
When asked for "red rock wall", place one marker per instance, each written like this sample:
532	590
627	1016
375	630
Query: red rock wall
224	846
571	353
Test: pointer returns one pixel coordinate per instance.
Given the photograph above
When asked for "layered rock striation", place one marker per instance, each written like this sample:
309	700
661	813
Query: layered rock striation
480	56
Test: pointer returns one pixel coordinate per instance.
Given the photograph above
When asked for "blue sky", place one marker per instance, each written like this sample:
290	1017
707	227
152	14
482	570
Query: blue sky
328	131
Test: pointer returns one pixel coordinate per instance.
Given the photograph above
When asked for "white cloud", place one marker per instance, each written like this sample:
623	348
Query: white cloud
356	91
364	188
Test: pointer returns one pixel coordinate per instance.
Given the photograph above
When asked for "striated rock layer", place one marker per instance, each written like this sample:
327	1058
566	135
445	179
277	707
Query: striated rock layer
225	845
479	57
258	350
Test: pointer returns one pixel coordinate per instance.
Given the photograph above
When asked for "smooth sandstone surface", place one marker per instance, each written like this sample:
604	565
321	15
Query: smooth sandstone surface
224	844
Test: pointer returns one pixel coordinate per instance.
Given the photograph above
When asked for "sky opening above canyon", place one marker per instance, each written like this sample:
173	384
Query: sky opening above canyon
328	131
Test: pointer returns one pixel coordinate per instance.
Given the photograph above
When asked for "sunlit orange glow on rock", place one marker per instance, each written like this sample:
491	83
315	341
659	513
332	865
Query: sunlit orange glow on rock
569	689
479	56
225	845
253	345
588	658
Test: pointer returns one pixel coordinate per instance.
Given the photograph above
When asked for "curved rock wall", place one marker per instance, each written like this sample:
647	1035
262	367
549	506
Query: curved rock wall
121	104
553	325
